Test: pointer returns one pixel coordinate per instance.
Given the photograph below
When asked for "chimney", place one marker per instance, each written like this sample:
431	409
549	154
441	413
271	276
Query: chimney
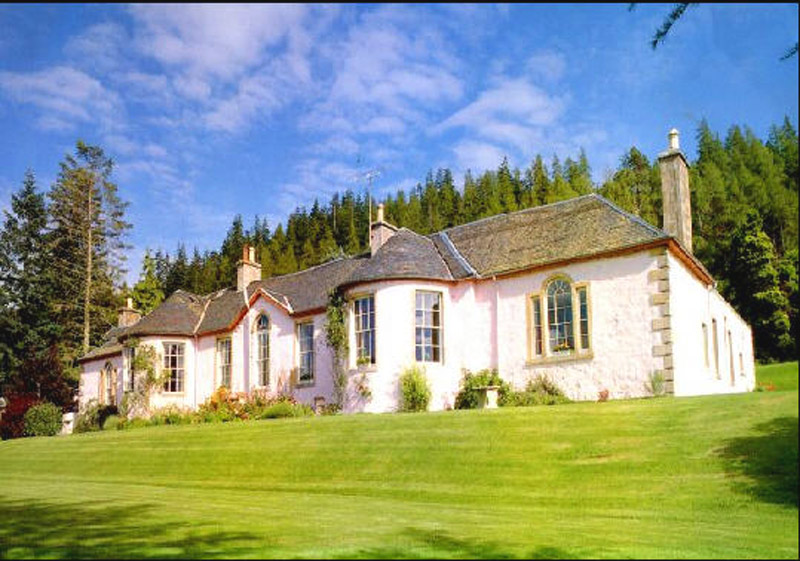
675	192
380	232
247	270
127	315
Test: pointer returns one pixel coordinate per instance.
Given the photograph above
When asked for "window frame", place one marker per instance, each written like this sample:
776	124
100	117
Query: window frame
434	328
299	326
218	364
579	350
128	373
356	357
259	360
180	380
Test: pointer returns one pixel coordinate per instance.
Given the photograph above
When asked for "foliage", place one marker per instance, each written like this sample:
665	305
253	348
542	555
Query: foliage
755	289
656	385
42	375
88	233
147	293
468	395
538	391
12	423
415	390
336	337
113	422
223	407
93	416
148	378
43	419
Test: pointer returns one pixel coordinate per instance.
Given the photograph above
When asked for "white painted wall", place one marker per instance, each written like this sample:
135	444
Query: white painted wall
692	305
89	385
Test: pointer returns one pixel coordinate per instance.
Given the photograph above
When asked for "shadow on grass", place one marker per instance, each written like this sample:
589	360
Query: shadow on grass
769	461
103	530
416	543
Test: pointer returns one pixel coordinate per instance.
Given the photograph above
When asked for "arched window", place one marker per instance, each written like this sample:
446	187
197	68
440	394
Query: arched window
107	383
262	350
559	316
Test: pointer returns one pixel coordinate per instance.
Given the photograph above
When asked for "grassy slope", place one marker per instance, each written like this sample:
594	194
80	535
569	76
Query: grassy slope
692	477
782	376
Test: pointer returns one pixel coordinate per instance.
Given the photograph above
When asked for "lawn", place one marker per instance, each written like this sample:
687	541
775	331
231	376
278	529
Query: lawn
698	477
779	377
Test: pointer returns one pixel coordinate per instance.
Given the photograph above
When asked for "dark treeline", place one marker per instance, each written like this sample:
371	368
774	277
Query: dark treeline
744	212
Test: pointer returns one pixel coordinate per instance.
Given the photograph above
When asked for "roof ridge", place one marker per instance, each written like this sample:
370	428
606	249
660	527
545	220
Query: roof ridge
448	243
308	269
439	255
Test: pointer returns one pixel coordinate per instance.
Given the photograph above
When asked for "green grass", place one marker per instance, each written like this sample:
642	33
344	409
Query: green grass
704	477
779	377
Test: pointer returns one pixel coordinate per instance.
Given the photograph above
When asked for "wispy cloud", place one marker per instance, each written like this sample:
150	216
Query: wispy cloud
64	96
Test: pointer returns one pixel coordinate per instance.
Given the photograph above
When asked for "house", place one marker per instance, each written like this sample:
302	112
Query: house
580	291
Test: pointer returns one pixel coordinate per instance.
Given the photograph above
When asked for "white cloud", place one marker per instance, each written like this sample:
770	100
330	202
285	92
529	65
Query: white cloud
99	47
65	96
478	156
219	40
513	100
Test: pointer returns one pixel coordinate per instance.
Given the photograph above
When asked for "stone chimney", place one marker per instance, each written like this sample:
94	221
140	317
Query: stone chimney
380	232
127	315
675	192
247	270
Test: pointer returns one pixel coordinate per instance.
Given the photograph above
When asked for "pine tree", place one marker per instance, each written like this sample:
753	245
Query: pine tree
89	229
27	288
754	289
147	294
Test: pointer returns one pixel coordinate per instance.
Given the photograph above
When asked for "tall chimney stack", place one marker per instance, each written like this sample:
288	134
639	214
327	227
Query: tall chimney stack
380	232
247	270
675	192
127	315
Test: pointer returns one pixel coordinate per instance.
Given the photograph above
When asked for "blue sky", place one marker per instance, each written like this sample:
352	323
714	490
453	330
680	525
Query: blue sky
216	110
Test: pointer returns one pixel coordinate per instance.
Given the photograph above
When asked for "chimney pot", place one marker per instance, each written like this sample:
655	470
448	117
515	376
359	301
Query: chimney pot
247	270
130	303
674	140
252	254
245	253
380	212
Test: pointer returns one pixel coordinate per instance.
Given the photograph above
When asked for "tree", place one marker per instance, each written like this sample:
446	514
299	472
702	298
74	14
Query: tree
26	280
755	289
147	293
89	229
677	13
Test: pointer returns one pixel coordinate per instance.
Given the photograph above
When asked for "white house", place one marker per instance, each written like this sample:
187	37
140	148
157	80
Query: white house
580	291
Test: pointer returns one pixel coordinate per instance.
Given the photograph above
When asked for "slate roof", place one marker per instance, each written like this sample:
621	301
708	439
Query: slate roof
177	315
574	229
110	346
570	229
405	255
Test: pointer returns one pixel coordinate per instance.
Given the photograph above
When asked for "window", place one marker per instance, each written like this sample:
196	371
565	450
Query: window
428	326
364	312
224	362
559	319
107	392
262	348
536	305
129	375
173	367
730	358
583	315
305	338
741	365
559	316
716	346
705	344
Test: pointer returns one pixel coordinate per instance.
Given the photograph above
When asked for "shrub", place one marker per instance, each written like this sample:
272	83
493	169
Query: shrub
602	395
284	409
13	423
468	396
115	422
94	416
415	392
538	391
171	415
43	419
656	386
